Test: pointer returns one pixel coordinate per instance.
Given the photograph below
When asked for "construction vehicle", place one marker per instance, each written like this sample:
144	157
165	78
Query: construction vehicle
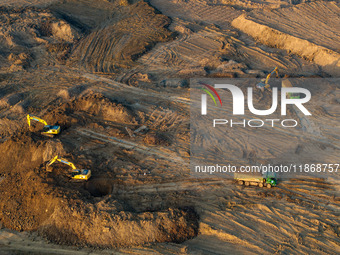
264	82
268	179
76	174
48	130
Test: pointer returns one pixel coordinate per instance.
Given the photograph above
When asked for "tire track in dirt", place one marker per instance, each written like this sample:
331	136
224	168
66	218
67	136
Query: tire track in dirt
308	197
185	185
188	51
132	146
300	21
198	10
136	91
163	51
310	135
24	3
118	41
282	219
273	35
241	49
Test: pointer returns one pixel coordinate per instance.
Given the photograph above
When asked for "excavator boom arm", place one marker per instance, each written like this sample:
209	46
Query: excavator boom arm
67	163
29	118
272	72
56	158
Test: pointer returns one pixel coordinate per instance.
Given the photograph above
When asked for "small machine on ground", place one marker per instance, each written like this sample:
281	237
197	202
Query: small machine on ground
264	82
268	179
76	174
48	130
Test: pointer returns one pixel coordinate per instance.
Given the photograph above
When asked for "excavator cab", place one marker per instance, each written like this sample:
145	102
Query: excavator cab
270	178
271	181
83	174
49	129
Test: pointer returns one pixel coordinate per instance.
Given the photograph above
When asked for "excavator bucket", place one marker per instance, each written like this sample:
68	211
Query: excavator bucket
49	169
48	166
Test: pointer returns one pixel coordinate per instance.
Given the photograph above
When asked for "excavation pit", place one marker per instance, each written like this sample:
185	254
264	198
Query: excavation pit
99	187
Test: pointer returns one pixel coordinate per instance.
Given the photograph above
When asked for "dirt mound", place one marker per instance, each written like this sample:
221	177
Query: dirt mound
88	226
62	31
9	127
22	152
28	38
100	106
157	138
73	92
300	21
118	42
30	204
74	213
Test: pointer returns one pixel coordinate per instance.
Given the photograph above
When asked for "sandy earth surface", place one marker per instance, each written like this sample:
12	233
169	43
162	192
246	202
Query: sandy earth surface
102	70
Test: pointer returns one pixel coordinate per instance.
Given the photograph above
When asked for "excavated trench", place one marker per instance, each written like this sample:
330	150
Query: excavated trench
99	187
68	207
108	209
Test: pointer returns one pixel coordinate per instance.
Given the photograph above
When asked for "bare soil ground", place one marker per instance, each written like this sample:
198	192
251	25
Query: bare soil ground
294	29
101	70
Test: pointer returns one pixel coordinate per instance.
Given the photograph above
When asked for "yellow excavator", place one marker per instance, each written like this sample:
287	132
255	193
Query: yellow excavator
48	130
76	174
264	82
